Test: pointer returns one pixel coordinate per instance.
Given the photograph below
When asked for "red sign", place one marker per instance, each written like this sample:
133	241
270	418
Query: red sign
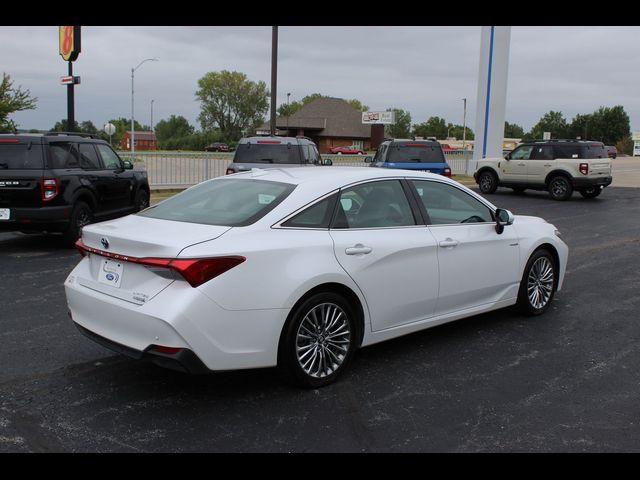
66	80
69	43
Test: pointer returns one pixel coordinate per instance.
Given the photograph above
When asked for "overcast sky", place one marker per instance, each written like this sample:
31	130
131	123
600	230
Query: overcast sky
424	70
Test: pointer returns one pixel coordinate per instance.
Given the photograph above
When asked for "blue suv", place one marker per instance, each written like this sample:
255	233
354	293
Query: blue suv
417	155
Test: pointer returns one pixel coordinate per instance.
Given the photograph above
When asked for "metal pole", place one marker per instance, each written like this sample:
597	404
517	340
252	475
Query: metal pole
152	115
274	76
131	138
288	113
71	121
464	126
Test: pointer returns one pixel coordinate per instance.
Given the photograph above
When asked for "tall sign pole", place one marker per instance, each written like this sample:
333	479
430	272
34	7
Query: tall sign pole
69	49
274	77
492	94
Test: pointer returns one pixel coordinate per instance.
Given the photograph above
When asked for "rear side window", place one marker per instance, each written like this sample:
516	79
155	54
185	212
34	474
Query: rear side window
415	153
63	155
568	151
316	216
595	150
267	153
231	202
20	156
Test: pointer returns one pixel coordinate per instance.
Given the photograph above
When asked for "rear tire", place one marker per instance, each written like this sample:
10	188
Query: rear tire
591	192
80	216
318	341
560	188
538	284
488	182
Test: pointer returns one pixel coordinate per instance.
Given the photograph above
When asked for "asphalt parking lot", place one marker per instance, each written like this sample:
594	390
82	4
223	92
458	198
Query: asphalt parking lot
568	381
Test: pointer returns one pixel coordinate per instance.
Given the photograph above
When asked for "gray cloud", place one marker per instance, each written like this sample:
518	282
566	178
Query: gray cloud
425	70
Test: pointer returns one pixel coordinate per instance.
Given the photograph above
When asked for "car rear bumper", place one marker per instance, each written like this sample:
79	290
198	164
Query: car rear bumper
45	218
179	317
579	183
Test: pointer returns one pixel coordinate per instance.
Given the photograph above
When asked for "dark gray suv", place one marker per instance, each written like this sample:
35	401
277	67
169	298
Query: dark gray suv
273	151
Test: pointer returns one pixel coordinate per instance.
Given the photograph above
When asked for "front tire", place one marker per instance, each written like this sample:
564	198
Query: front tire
318	341
488	182
538	284
560	188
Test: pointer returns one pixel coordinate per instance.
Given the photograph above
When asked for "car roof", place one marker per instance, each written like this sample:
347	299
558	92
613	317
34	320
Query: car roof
267	139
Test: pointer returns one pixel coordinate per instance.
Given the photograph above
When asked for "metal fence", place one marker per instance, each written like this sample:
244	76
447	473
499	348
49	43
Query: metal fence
183	169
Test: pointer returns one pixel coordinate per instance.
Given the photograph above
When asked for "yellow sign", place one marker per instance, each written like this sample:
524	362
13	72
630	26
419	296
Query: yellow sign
69	43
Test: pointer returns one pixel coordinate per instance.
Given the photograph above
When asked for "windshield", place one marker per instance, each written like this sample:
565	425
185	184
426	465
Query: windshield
231	202
21	157
267	153
415	153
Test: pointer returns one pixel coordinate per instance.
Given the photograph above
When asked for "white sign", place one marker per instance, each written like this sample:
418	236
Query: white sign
66	80
378	117
109	128
546	136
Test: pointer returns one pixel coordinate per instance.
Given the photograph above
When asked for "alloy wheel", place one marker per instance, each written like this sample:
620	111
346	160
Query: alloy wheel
540	283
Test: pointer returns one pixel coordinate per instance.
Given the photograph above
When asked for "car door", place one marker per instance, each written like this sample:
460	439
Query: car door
540	164
476	265
121	181
391	257
514	168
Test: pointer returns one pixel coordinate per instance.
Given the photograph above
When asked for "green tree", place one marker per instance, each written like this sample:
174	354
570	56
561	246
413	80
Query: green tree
457	131
13	100
284	109
511	130
552	122
579	126
609	125
433	127
231	103
174	127
402	127
358	105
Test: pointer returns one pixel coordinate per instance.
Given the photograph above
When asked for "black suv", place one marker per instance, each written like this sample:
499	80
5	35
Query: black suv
273	151
58	182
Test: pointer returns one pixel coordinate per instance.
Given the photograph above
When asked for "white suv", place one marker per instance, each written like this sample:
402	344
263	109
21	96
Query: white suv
558	166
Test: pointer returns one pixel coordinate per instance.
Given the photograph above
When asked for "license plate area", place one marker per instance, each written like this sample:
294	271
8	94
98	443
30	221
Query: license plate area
110	272
5	213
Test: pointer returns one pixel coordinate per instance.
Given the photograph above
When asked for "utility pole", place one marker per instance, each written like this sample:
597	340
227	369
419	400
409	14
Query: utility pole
464	125
274	77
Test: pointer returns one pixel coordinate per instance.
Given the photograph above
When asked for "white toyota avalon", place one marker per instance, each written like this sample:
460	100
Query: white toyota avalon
297	268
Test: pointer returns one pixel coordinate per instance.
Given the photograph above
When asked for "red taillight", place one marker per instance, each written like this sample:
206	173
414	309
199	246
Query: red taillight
196	271
270	141
8	140
447	172
229	171
50	188
584	168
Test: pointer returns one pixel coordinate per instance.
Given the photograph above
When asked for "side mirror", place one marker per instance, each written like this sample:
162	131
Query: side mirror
127	165
327	161
368	159
503	218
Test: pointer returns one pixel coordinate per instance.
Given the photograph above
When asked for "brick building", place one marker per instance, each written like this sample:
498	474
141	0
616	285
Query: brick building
329	122
143	141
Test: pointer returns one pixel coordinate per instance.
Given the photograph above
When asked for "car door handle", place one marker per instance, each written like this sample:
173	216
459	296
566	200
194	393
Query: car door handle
358	249
449	243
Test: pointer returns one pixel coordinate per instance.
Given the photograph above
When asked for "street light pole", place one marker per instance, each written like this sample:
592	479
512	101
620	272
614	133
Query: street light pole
152	115
288	113
464	126
132	124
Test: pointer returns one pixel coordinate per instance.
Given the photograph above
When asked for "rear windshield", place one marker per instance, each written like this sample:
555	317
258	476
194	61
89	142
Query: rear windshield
228	202
267	153
21	157
415	153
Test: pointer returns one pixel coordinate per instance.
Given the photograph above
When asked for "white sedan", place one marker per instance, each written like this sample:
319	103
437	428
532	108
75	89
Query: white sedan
297	268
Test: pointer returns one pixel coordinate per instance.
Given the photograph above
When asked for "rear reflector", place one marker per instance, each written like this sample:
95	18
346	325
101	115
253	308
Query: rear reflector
196	271
166	350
